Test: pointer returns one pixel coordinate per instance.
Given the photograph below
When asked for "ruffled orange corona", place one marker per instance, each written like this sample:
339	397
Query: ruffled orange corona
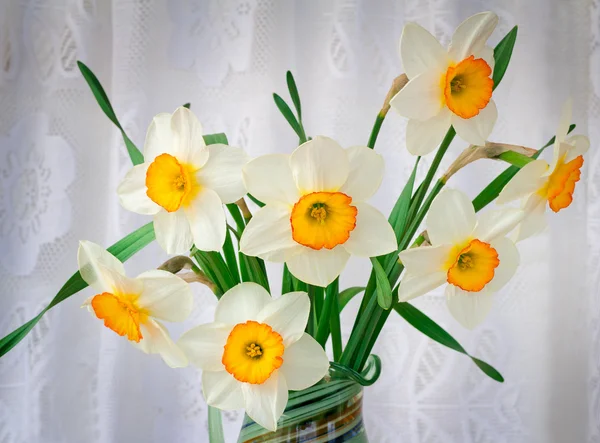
474	266
323	219
468	87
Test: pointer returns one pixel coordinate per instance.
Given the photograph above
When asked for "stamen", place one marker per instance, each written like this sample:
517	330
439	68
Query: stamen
253	350
457	85
180	182
318	212
465	262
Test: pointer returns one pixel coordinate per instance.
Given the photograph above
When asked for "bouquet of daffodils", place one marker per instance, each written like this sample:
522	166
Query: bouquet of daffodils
309	210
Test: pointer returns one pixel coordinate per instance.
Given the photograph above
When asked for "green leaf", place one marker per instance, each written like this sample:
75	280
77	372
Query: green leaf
502	53
213	139
384	291
491	191
187	105
215	426
287	285
434	331
252	269
256	201
230	257
348	294
123	250
291	83
214	266
102	99
288	114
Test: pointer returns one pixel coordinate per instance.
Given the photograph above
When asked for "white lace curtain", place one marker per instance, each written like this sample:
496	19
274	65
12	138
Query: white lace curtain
72	380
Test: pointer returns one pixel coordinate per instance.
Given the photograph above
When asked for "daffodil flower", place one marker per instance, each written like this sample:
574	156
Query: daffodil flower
255	351
541	185
315	215
133	307
473	257
184	183
452	87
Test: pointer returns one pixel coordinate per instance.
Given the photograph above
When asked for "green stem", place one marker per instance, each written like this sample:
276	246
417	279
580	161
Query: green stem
336	330
376	129
313	295
435	164
331	294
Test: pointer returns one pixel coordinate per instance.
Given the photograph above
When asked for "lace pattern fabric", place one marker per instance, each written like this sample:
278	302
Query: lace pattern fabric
72	380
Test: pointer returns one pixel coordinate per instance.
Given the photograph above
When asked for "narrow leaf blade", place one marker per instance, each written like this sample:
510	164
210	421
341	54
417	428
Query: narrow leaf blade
434	331
213	139
134	153
291	83
384	291
502	54
287	114
348	294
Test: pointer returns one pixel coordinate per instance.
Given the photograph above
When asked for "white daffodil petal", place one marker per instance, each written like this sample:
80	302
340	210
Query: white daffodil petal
535	218
564	122
425	259
304	363
207	220
451	218
420	97
103	271
221	390
173	232
269	235
241	303
373	235
203	345
132	192
223	172
508	254
266	402
580	145
497	223
413	286
318	267
287	315
560	152
487	54
423	137
165	296
476	130
187	137
468	308
319	165
156	340
269	179
366	173
526	181
420	51
159	137
471	35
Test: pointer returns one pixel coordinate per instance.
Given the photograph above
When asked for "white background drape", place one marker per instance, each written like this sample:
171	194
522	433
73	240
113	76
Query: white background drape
72	380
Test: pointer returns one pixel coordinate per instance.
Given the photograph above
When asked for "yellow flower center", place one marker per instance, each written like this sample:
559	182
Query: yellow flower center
467	87
323	219
252	352
561	183
171	184
120	313
472	266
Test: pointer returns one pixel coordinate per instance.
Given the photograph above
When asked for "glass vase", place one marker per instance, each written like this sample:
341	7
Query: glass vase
330	411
